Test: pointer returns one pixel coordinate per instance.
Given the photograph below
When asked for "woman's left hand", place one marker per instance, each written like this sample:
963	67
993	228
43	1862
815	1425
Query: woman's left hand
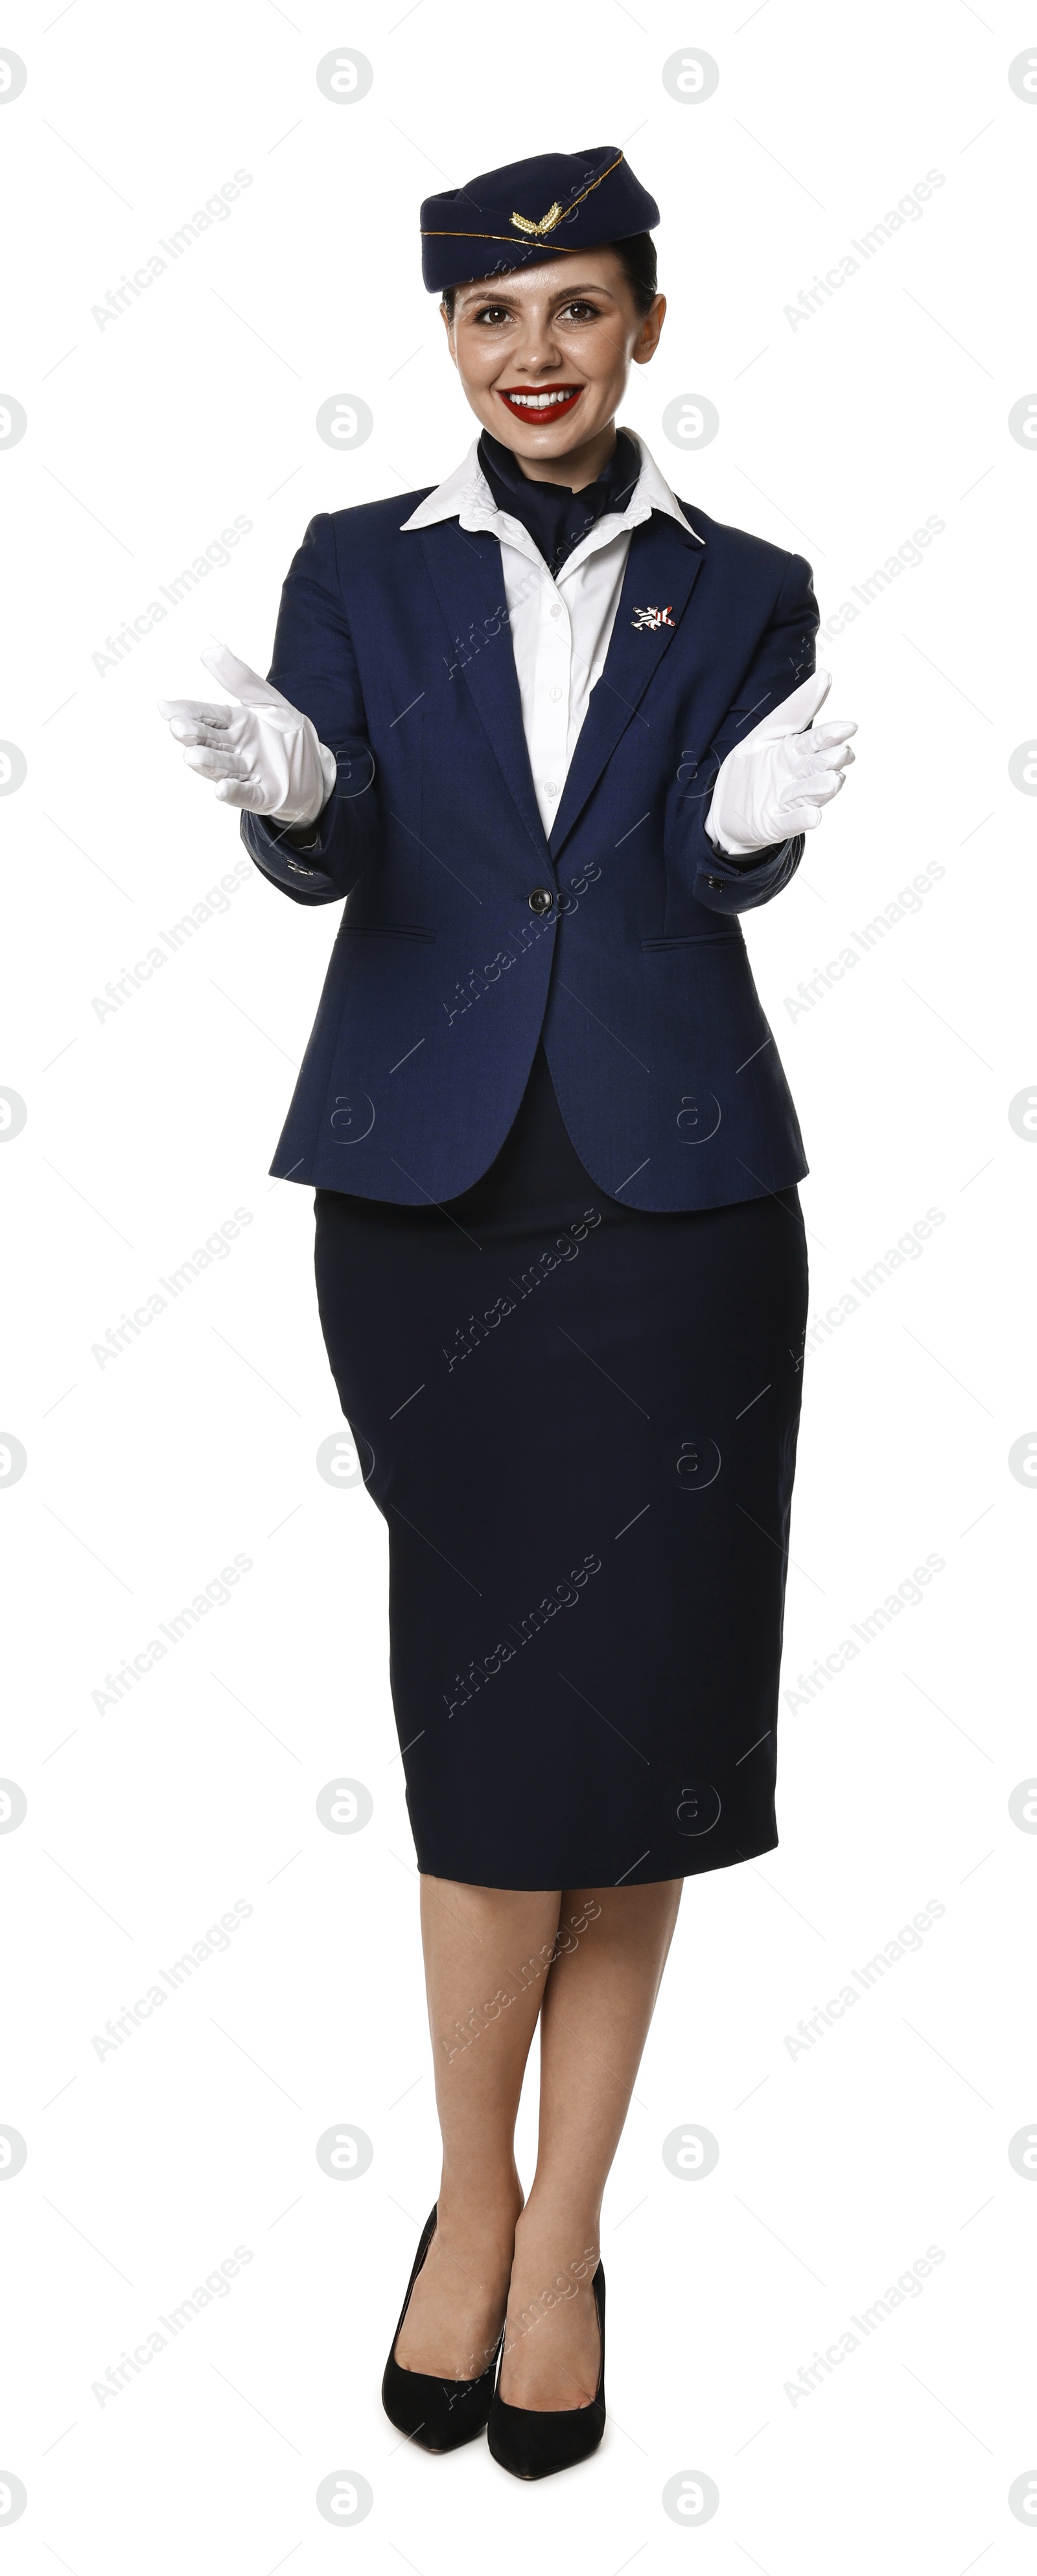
779	780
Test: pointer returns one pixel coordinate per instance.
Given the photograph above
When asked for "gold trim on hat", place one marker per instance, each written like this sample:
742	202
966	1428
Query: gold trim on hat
436	232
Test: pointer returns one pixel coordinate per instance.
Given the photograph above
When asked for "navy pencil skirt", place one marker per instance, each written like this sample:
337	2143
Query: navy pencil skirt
579	1420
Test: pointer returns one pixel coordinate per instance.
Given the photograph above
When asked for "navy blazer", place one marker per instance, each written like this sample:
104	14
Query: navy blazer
467	933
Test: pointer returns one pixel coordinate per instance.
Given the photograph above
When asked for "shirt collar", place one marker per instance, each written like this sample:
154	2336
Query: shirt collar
465	495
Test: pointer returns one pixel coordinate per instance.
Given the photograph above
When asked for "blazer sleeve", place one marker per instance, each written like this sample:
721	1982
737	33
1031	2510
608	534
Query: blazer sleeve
784	656
315	667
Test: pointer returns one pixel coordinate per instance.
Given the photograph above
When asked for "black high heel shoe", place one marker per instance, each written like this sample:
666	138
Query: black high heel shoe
440	2414
534	2446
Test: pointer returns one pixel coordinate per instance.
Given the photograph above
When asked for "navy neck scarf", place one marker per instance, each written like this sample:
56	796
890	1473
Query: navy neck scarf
555	517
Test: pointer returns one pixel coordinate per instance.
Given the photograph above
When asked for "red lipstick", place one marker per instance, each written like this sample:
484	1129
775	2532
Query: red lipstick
521	401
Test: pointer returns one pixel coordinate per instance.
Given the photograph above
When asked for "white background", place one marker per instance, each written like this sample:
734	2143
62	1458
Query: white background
147	1128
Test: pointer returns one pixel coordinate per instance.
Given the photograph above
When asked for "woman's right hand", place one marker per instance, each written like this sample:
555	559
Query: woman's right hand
263	753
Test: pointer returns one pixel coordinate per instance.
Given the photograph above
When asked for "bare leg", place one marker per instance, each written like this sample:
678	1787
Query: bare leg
487	1955
598	2003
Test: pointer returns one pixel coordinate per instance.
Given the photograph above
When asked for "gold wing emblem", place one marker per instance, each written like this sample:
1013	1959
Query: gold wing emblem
546	224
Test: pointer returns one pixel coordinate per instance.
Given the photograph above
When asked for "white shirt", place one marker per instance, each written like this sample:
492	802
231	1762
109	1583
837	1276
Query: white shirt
561	628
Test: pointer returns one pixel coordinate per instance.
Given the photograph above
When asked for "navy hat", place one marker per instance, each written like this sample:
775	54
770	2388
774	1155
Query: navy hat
557	203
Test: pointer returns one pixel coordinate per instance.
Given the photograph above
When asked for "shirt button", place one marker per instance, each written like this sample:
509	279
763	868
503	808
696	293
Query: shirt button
556	693
541	899
549	787
556	610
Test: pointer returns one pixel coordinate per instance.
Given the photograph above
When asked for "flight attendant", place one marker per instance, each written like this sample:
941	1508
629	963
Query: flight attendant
548	730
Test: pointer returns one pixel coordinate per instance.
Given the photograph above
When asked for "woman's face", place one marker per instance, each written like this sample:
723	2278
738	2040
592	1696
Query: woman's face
544	354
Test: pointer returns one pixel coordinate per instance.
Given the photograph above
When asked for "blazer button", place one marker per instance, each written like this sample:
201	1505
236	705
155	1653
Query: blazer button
716	884
541	899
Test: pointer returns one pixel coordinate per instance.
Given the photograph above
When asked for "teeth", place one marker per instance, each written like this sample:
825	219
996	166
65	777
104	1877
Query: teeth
539	402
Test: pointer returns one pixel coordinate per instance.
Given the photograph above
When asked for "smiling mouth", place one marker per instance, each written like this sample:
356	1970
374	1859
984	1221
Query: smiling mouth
547	403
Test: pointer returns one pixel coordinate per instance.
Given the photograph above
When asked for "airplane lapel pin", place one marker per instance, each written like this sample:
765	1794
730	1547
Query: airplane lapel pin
648	620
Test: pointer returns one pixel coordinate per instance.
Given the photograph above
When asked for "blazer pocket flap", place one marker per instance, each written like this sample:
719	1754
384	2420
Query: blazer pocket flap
387	930
698	939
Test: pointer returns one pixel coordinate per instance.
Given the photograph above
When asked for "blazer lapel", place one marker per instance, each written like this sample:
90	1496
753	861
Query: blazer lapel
467	574
662	568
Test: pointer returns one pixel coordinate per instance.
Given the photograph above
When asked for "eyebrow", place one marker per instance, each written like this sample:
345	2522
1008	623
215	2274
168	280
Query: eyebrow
567	295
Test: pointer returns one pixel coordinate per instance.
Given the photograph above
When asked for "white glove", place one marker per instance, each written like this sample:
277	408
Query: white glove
775	783
263	753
